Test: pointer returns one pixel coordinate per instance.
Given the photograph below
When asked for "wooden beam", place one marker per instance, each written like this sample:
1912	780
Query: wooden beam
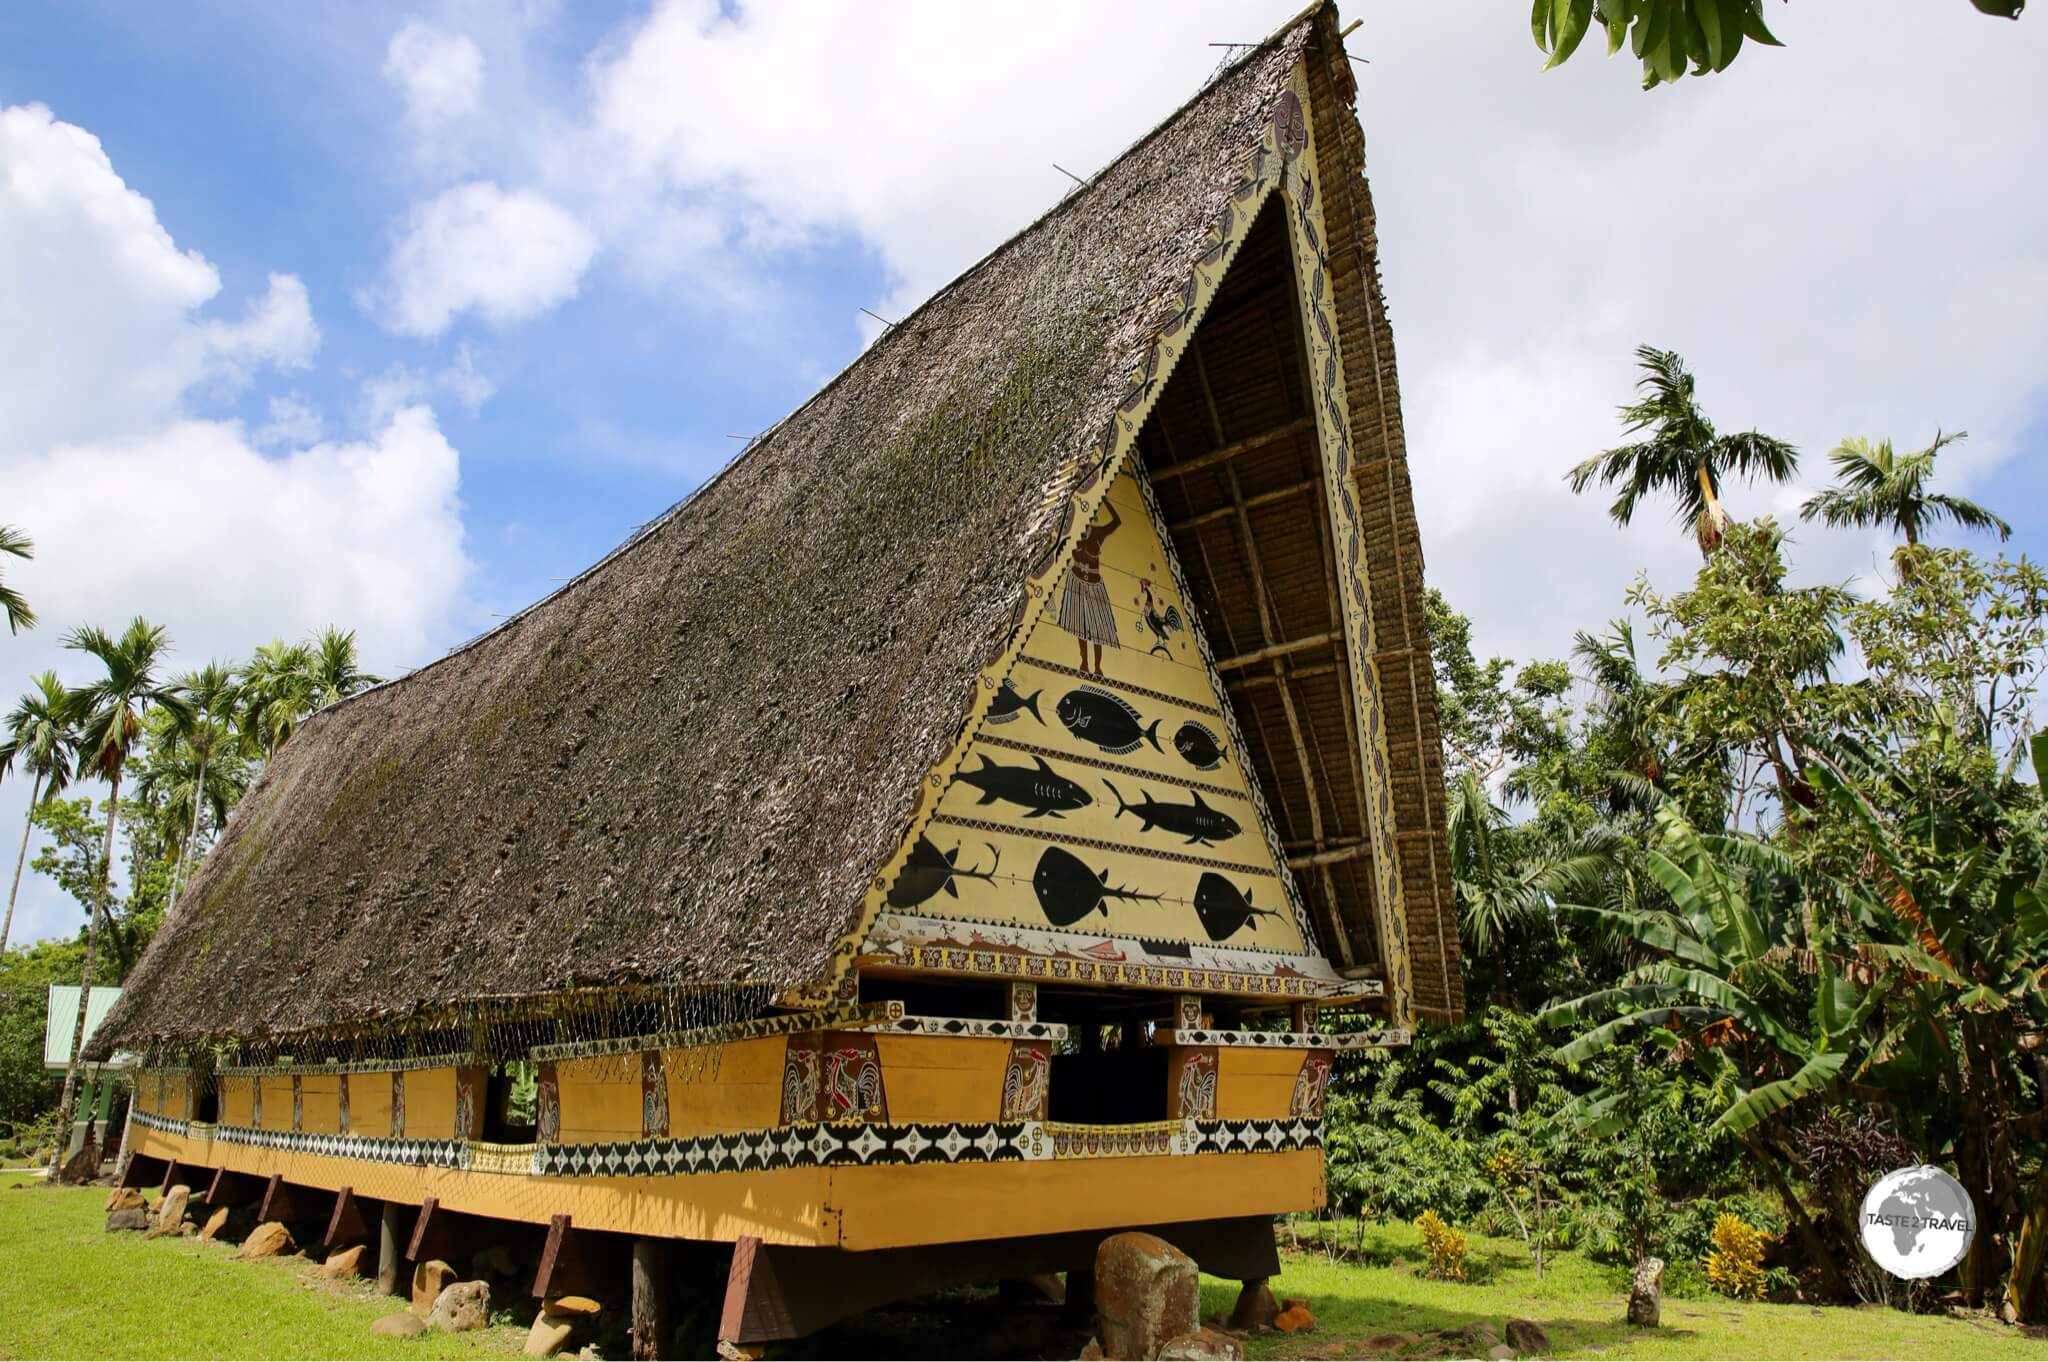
1259	680
1336	855
1252	503
347	1225
1273	650
277	1200
388	1275
565	1267
431	1237
1225	453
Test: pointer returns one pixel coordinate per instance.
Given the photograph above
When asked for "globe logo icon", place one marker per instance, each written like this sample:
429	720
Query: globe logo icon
1917	1222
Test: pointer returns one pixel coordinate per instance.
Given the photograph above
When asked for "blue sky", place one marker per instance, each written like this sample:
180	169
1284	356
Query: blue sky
393	315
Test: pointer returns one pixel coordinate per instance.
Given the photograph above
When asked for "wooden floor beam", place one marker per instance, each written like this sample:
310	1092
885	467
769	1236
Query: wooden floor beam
1286	648
1225	453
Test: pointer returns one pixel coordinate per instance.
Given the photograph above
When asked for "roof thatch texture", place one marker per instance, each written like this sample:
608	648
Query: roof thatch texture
687	764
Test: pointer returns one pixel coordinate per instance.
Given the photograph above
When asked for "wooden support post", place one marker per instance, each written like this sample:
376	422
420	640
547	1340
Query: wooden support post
347	1225
277	1200
141	1168
565	1269
170	1175
650	1298
430	1233
387	1250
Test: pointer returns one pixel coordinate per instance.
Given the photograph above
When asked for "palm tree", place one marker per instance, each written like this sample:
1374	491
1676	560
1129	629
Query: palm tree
200	732
41	737
283	683
1500	885
19	616
274	691
1683	456
1876	487
109	713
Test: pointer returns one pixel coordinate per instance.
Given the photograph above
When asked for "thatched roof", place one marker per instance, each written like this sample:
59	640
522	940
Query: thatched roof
686	765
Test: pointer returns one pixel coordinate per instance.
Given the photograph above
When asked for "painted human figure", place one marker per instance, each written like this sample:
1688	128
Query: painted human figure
1085	611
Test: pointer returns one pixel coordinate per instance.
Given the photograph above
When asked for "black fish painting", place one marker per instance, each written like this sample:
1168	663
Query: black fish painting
1223	910
1094	715
1038	788
1197	822
1069	891
1198	746
1008	705
929	870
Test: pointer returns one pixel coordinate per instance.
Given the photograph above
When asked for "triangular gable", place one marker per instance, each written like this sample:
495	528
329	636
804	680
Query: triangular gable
1027	848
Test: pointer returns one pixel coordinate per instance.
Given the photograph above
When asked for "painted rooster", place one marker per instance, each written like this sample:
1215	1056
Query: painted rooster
1161	625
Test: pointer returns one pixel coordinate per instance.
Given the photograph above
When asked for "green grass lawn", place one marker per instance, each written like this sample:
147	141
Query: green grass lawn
1581	1304
70	1289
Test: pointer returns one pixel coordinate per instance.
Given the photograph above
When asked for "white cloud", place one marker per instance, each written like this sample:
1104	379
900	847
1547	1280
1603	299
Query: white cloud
439	73
506	255
139	505
293	421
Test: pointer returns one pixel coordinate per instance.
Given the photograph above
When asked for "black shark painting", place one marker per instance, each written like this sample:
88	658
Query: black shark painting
1197	822
1008	705
1094	715
1069	891
1198	746
1223	910
929	870
1038	788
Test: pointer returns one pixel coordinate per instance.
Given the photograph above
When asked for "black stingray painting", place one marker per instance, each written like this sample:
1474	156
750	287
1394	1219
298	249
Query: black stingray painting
1195	821
929	870
1009	705
1094	715
1069	891
1224	911
1038	787
1198	745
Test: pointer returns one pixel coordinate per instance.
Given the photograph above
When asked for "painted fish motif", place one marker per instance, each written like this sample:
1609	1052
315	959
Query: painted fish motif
1223	910
1038	788
1198	746
1200	824
1008	704
1094	715
1069	891
929	870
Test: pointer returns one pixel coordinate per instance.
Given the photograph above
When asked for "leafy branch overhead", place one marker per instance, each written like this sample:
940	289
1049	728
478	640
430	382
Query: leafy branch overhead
1672	37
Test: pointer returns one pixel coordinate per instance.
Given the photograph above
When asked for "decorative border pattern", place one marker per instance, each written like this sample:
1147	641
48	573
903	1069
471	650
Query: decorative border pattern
353	1066
1318	311
149	1120
1382	1038
365	1148
834	1019
866	1144
1011	964
971	1026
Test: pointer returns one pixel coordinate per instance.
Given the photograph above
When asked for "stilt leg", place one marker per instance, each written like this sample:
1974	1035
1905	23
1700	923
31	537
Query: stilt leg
388	1250
650	1298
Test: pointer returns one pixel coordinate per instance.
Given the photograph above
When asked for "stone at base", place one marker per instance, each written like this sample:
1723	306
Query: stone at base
547	1337
1091	1351
81	1167
1388	1345
267	1240
741	1352
1646	1296
1295	1319
404	1324
170	1212
429	1280
132	1218
125	1198
494	1261
1203	1345
570	1307
1146	1292
1255	1308
1501	1352
215	1223
347	1262
462	1307
1527	1336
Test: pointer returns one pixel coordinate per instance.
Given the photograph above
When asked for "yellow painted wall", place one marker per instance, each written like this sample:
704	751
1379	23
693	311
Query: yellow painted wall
1166	684
277	1101
713	1089
600	1098
369	1105
235	1094
943	1078
321	1114
1257	1083
429	1104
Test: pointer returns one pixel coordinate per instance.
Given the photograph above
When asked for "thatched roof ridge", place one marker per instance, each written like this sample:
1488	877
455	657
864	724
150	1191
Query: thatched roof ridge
684	767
